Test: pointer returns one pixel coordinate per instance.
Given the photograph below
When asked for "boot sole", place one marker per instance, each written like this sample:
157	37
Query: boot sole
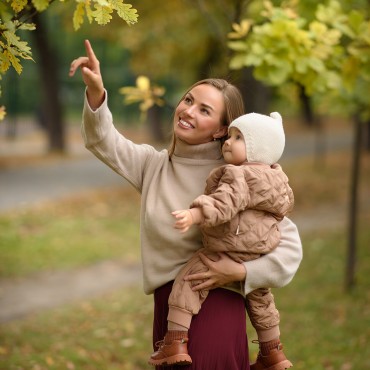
283	365
172	360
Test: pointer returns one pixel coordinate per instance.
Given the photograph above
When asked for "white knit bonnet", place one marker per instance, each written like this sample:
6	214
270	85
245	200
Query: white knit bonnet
263	135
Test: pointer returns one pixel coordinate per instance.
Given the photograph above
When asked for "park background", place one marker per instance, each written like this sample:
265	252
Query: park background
79	235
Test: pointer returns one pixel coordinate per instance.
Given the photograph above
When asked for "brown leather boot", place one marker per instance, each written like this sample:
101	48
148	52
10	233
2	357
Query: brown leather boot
272	359
172	350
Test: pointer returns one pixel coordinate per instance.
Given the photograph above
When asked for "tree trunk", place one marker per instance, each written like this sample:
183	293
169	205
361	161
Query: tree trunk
306	106
154	121
256	95
367	136
51	108
12	104
352	232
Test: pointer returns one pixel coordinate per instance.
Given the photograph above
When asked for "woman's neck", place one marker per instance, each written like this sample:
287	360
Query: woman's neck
210	150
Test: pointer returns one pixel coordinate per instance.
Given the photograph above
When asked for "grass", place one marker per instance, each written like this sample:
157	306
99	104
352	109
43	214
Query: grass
110	333
323	327
76	231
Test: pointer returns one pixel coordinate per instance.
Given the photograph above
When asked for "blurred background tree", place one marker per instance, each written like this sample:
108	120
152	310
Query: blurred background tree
327	58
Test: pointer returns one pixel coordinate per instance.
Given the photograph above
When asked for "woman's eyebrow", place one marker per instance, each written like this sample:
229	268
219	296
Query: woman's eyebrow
202	104
207	106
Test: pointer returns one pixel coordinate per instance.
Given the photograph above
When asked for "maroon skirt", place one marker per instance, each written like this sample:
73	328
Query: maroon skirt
217	335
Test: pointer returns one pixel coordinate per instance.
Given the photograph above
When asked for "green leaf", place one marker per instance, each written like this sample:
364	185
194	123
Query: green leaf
316	64
40	5
277	76
237	45
25	26
237	62
301	65
327	14
355	20
333	80
252	60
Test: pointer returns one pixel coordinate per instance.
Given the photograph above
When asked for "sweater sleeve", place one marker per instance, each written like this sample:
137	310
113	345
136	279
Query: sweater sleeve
276	269
111	147
229	196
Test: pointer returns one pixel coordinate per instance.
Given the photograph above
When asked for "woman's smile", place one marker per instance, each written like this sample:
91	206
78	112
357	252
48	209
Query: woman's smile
184	124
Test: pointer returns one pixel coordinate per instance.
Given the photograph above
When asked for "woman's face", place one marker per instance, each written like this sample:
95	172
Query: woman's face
198	116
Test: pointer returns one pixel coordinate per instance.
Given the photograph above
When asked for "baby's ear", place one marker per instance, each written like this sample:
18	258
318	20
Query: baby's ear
221	132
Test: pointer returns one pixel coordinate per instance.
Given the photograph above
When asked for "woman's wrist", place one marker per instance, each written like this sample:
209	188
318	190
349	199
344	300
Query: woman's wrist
240	272
95	98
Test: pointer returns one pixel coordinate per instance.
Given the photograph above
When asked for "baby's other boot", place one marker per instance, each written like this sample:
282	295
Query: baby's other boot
172	350
271	357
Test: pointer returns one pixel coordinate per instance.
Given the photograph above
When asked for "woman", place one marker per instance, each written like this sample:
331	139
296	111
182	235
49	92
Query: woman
170	180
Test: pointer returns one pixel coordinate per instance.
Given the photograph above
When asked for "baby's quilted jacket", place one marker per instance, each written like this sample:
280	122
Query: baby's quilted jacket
242	206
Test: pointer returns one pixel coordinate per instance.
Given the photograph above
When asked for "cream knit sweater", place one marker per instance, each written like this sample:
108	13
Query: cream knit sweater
167	185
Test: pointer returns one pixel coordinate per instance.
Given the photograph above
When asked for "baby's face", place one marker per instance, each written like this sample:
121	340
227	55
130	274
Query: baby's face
234	149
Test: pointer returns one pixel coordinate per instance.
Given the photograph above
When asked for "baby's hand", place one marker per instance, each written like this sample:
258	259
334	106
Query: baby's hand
184	220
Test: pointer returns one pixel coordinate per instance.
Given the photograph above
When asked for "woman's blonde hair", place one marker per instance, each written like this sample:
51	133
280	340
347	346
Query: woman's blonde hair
234	106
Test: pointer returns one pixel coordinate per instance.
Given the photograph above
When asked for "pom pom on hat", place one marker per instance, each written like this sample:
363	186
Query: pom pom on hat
263	135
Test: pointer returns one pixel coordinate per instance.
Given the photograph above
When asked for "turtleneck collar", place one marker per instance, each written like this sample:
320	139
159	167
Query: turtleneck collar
208	151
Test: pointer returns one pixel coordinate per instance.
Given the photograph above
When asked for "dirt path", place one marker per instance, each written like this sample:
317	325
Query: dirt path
46	290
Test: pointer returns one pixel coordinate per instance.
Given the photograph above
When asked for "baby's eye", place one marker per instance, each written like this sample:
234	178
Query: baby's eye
238	137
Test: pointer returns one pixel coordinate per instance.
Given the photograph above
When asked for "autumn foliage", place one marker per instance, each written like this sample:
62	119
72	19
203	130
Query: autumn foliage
16	15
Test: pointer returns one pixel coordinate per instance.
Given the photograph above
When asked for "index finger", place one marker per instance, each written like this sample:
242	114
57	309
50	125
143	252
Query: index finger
90	52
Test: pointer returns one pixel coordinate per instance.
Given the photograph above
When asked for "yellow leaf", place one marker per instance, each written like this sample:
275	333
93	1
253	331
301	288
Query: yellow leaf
78	16
49	361
143	83
18	5
4	62
158	91
102	14
240	30
16	46
125	11
3	350
14	61
88	11
25	26
143	93
103	2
